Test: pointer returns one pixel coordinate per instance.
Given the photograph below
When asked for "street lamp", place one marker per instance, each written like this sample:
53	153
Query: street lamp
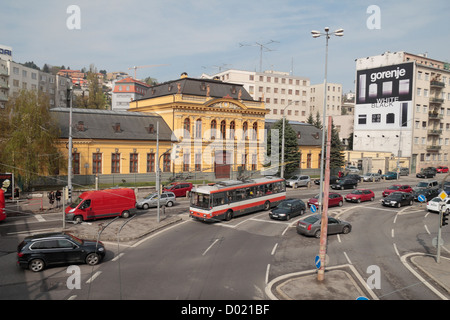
323	232
327	34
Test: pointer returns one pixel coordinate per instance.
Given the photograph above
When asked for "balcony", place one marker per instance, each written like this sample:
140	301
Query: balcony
433	148
437	84
434	132
435	116
436	100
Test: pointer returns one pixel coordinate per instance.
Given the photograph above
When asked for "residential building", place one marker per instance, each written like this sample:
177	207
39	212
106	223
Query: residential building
403	107
127	90
334	99
282	93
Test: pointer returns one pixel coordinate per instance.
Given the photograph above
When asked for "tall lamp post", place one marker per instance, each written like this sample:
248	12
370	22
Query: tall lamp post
323	236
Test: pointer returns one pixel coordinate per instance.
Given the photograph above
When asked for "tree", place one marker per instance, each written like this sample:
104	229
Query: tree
96	99
310	119
291	152
318	123
337	159
28	137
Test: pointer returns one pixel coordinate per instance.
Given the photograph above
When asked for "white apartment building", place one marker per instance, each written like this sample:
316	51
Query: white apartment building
403	107
283	93
334	99
15	77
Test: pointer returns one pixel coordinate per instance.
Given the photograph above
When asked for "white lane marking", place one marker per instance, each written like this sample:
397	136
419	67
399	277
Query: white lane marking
118	256
346	257
392	233
209	247
396	250
274	249
93	277
39	218
267	273
426	228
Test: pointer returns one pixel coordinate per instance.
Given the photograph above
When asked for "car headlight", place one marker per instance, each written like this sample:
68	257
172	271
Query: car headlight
101	249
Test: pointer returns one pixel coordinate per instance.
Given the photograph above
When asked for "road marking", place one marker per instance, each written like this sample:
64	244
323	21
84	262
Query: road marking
339	238
396	250
209	247
93	277
267	273
39	218
395	219
274	248
118	256
392	233
346	257
72	297
426	228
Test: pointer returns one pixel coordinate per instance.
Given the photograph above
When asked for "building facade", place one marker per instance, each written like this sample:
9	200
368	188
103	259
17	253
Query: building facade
125	91
403	107
333	101
282	93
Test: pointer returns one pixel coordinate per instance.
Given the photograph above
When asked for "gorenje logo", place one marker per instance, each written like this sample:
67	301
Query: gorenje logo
5	51
397	73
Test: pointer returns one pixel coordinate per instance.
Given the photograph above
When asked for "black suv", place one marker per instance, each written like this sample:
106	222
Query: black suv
345	184
288	209
38	251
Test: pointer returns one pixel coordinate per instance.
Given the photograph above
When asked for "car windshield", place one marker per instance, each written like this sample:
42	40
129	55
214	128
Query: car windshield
395	195
422	184
393	187
75	203
285	205
311	219
437	199
356	192
149	196
294	178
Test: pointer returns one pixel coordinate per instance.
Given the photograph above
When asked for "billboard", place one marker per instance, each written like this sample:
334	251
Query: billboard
384	97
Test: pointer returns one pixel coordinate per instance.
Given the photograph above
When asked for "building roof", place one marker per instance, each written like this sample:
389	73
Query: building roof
307	134
199	87
111	125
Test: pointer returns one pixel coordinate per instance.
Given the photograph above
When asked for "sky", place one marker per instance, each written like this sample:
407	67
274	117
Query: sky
206	36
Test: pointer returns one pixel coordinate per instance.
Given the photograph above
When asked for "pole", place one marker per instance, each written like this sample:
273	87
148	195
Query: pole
441	213
157	168
324	222
69	167
282	147
324	112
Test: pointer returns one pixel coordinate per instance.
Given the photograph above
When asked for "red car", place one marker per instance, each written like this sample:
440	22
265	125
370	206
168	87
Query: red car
334	199
360	195
181	189
397	188
442	169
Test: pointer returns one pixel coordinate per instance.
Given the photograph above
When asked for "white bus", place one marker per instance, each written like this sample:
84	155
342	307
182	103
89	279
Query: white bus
228	199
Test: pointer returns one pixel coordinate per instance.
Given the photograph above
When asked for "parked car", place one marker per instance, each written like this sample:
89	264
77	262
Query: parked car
151	200
334	199
287	209
426	173
446	187
404	171
430	184
371	177
333	179
99	204
360	195
427	192
39	251
180	189
345	184
442	169
298	181
397	188
353	176
436	204
390	175
398	199
351	169
310	226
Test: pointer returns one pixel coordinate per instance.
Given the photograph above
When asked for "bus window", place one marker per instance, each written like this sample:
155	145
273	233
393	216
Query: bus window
200	200
231	196
219	199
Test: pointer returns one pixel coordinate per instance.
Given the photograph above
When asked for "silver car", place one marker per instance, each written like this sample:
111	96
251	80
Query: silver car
298	181
371	177
310	226
151	200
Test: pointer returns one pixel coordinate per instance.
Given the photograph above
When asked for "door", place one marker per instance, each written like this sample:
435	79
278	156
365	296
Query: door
333	226
222	166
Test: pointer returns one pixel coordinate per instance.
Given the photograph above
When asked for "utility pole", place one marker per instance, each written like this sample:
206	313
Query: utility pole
324	222
69	166
157	168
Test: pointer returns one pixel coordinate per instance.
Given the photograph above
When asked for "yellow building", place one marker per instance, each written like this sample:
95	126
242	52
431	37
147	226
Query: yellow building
218	126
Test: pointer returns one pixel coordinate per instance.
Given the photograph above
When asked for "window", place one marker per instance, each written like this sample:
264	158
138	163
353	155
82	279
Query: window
198	161
76	163
376	118
186	161
115	162
150	162
166	163
390	118
213	129
223	130
232	128
362	119
96	163
244	130
198	128
255	131
187	128
133	163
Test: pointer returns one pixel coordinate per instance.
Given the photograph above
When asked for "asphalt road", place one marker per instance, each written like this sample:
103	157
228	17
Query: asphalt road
235	259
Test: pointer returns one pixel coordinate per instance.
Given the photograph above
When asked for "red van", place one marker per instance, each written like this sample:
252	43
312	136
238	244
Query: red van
180	189
2	205
102	204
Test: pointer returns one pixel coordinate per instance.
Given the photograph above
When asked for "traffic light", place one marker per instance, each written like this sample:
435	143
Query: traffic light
444	218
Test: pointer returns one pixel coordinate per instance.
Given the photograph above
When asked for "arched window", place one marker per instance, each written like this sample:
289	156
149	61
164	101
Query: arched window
213	129
198	128
187	128
244	130
223	129
255	131
232	128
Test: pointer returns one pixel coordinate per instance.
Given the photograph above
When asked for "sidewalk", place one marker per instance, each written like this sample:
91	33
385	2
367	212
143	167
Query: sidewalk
344	282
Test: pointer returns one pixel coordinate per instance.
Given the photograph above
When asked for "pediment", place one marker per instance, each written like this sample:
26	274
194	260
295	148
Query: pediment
226	104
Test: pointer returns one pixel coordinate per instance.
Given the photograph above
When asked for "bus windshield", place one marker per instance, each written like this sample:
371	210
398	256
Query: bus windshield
200	200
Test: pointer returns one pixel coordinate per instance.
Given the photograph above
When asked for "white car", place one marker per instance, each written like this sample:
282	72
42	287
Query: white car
435	204
371	177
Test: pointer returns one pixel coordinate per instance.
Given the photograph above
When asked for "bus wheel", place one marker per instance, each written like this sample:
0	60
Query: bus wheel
267	205
228	215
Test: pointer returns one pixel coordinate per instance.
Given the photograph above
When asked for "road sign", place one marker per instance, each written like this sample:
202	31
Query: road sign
362	298
421	198
443	195
317	262
313	208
